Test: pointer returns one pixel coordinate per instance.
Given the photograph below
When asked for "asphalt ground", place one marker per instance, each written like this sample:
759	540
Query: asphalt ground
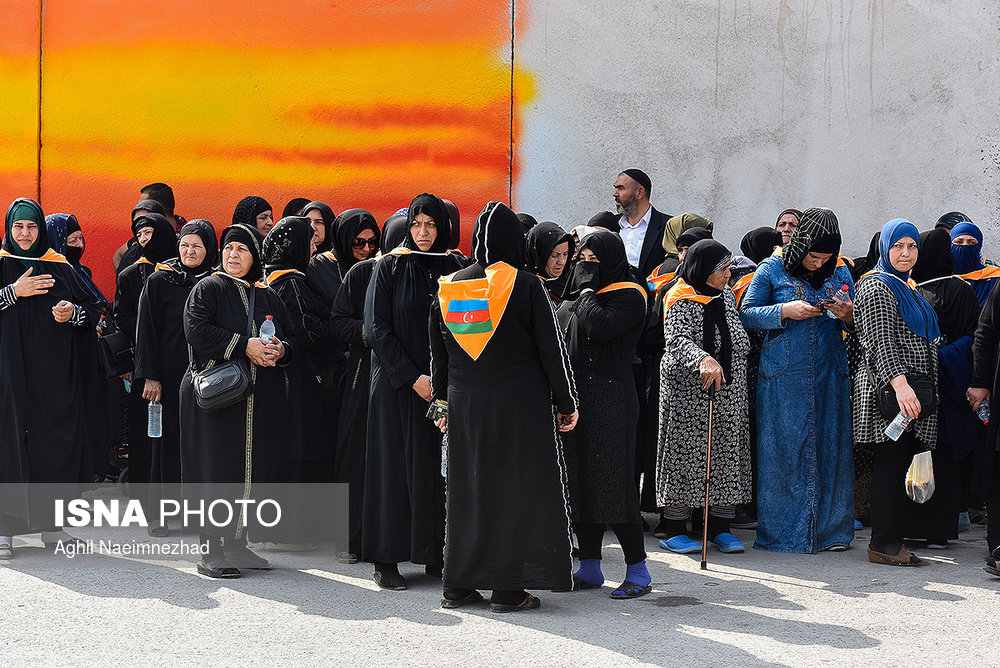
750	609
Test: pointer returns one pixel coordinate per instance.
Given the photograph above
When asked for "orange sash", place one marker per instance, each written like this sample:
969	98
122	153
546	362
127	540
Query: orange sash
987	272
624	285
681	291
50	256
275	275
741	285
472	308
656	280
240	280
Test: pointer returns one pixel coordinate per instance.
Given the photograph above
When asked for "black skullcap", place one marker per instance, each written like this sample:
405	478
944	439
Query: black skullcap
641	178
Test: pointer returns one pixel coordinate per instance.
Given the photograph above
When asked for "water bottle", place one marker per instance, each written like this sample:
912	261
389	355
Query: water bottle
897	426
154	421
844	295
267	329
984	411
444	456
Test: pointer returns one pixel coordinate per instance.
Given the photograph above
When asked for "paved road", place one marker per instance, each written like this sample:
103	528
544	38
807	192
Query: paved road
747	610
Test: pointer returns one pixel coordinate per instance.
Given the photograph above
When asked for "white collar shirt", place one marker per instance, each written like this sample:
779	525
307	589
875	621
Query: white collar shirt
634	235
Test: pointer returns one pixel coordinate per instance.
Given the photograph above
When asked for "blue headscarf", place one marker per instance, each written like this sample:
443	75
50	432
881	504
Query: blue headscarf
57	226
918	315
967	258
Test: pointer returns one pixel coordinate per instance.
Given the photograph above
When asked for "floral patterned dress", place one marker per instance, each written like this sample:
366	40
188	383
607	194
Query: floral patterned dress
681	455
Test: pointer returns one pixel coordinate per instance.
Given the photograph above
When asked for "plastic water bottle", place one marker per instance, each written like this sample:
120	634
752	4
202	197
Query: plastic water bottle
897	426
444	456
984	411
154	421
844	295
267	329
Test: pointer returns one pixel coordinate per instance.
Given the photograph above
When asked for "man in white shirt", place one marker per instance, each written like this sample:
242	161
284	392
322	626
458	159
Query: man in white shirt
641	225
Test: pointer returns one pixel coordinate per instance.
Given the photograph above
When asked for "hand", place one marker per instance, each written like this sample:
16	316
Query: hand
62	311
274	350
442	424
843	309
422	386
909	405
976	396
711	372
799	310
152	390
29	286
567	422
257	352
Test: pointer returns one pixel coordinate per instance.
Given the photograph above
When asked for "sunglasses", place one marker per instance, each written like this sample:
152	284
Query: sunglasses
371	242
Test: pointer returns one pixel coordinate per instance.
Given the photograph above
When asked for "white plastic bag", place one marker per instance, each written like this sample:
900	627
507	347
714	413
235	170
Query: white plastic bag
920	477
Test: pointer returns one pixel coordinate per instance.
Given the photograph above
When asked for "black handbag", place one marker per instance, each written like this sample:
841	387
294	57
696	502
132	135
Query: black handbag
116	354
922	385
222	385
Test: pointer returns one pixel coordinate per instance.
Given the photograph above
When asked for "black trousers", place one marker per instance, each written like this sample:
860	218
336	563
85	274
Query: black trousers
629	536
992	493
888	492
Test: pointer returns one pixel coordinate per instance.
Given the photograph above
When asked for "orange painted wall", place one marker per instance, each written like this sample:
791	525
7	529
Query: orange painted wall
354	103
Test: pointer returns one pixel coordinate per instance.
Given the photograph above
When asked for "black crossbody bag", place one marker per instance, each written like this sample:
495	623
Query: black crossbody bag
922	385
222	385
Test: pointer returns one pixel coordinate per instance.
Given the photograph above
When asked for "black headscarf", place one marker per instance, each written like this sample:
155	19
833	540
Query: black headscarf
248	209
818	232
432	206
249	236
542	240
702	260
611	267
24	208
59	226
497	237
163	244
950	220
346	227
294	207
328	223
150	206
758	244
689	237
394	232
934	259
606	220
206	231
288	243
527	221
456	222
862	265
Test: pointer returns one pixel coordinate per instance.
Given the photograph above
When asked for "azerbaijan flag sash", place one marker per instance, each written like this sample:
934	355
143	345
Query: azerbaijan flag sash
472	309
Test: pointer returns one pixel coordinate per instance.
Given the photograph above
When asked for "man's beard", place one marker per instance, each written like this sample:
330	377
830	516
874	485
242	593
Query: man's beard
627	206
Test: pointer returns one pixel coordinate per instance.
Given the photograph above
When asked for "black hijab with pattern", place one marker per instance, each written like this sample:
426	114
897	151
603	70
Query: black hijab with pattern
818	232
287	244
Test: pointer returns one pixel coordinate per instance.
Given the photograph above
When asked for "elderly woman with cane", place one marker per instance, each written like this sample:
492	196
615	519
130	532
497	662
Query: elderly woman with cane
706	347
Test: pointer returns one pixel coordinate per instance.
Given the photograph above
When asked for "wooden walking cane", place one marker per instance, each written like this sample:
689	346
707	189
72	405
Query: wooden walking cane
708	477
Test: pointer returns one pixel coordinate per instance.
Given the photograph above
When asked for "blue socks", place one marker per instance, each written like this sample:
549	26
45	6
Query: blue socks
590	571
638	574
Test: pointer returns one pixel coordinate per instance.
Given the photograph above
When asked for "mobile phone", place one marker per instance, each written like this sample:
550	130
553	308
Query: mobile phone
824	303
438	409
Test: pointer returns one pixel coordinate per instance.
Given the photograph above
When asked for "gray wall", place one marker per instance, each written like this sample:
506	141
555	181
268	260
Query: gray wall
738	109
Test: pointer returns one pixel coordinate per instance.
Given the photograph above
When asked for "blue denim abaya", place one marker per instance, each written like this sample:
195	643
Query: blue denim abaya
805	472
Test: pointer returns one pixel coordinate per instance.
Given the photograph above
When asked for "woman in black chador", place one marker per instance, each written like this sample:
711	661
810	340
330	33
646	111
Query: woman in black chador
158	243
348	319
47	320
404	491
602	324
242	443
549	251
287	248
161	354
500	362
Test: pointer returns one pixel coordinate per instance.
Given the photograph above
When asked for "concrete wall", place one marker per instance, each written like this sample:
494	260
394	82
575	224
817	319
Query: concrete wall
741	108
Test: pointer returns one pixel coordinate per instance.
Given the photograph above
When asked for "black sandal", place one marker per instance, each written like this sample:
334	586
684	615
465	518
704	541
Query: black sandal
217	567
631	590
472	597
529	603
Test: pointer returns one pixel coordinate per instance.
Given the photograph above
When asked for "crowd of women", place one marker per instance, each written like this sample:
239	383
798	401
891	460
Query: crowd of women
570	392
